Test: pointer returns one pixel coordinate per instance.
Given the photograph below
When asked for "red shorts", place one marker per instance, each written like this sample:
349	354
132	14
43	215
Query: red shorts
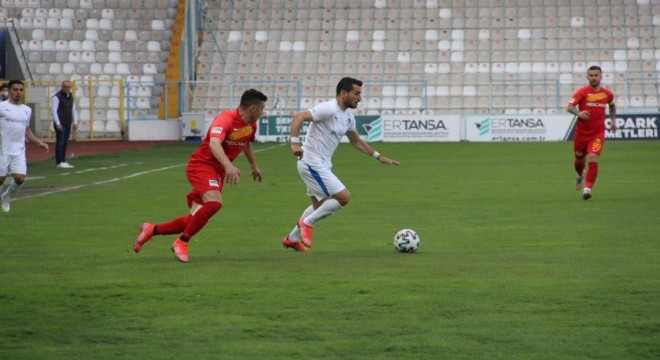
203	178
592	144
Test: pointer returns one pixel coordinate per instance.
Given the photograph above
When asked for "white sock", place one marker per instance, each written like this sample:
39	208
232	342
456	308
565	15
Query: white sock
294	235
12	188
326	209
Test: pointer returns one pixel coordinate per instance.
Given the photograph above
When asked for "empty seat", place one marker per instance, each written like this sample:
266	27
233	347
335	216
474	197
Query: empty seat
153	46
109	69
112	126
88	57
105	24
108	14
55	68
122	69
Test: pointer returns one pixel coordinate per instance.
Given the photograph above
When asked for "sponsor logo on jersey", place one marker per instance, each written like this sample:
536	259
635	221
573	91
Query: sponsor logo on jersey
216	130
240	133
213	183
596	97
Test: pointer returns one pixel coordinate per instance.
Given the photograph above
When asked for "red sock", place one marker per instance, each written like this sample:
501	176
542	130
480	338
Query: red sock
200	218
174	226
579	167
592	173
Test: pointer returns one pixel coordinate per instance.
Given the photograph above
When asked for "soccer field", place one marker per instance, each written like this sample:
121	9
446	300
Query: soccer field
513	263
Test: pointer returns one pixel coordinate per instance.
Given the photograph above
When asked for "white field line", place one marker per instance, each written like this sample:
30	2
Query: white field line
129	176
82	186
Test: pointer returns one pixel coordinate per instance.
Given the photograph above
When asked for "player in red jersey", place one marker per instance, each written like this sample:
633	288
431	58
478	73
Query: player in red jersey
589	104
210	166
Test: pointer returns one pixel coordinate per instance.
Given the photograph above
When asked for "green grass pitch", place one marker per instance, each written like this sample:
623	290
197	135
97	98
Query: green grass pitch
513	263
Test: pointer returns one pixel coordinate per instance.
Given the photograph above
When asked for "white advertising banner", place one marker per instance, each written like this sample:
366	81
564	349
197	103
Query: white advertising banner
531	127
414	128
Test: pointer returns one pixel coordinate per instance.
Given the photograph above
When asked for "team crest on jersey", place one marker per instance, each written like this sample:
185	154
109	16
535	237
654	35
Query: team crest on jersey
213	183
596	97
216	130
597	145
241	133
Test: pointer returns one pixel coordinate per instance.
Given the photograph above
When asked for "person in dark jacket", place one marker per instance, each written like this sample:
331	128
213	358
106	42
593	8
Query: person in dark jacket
65	118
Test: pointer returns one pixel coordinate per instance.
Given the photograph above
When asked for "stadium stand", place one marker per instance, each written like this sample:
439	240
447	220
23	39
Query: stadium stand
416	56
460	56
103	41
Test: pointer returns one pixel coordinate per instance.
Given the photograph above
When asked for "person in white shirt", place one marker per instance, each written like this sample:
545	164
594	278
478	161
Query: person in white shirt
330	121
65	118
14	129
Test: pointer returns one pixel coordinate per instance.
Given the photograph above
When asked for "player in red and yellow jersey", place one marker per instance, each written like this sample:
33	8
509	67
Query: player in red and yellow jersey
209	167
589	104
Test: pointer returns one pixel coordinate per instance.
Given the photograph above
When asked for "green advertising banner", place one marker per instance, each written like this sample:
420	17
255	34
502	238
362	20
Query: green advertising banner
376	128
275	128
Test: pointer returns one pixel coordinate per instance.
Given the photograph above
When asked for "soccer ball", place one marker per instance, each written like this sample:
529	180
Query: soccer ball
406	241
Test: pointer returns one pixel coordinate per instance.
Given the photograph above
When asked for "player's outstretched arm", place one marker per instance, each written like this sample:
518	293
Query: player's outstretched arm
359	144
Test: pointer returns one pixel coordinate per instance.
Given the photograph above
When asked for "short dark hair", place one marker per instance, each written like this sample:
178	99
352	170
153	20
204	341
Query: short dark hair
14	82
347	83
4	86
595	67
252	97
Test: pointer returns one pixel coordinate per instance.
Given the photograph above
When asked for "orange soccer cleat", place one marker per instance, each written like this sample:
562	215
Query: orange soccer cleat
180	249
146	232
297	246
305	233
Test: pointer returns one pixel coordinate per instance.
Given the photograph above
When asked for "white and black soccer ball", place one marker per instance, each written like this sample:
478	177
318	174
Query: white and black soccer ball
407	241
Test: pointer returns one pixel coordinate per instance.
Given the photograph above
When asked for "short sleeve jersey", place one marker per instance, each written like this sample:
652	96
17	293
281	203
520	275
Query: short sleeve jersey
235	134
595	102
329	125
14	121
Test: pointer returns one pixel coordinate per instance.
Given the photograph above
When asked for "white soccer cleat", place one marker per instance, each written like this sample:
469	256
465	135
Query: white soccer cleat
5	203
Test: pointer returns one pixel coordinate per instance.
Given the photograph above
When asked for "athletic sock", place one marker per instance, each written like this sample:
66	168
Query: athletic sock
579	167
592	174
200	219
174	226
326	209
12	188
294	235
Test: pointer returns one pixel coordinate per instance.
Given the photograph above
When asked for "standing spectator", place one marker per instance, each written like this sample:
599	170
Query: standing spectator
14	129
65	117
230	133
4	91
588	105
330	121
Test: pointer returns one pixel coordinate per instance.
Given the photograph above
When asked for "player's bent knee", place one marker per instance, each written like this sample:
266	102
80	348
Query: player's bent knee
343	197
213	206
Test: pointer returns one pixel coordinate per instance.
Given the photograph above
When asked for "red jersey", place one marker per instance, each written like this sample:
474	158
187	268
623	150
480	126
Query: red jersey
235	134
595	102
